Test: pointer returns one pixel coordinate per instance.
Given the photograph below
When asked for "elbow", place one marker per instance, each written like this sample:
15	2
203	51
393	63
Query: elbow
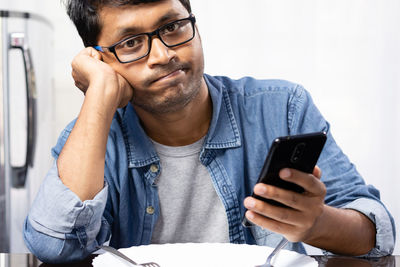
49	249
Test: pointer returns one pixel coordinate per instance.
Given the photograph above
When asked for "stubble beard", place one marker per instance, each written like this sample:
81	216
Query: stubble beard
177	99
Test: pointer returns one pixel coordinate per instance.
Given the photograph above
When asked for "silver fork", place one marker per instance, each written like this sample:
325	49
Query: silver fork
120	255
281	245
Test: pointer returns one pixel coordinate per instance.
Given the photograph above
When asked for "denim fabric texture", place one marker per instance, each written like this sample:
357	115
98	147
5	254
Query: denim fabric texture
248	114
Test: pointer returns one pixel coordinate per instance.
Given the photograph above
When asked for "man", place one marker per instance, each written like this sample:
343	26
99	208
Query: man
161	152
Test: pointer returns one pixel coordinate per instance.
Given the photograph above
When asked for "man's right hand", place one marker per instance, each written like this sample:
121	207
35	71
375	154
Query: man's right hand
82	159
89	71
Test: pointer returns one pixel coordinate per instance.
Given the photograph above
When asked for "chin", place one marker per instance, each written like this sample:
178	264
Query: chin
173	99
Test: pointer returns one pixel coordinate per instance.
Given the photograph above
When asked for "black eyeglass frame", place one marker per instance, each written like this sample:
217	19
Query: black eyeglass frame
150	35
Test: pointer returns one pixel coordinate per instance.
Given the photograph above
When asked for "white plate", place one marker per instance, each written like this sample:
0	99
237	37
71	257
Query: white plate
205	255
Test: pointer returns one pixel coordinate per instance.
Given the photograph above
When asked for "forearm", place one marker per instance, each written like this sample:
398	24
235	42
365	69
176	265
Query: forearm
343	231
81	161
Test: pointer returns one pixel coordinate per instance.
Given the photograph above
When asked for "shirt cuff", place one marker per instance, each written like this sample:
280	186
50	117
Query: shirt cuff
385	235
57	211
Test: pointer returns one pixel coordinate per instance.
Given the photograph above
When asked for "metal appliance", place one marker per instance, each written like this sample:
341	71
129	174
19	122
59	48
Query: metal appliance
26	118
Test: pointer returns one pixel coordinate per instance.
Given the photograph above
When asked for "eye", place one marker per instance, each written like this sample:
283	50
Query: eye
171	28
133	43
130	43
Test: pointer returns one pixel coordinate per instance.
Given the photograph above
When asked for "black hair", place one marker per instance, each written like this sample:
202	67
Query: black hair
85	15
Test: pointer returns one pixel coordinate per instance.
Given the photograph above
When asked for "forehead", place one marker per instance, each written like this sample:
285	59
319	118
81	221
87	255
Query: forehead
132	19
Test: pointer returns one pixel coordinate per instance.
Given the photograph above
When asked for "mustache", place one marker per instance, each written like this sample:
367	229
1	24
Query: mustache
164	71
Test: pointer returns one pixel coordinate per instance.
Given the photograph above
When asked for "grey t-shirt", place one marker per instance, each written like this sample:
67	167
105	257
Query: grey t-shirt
190	209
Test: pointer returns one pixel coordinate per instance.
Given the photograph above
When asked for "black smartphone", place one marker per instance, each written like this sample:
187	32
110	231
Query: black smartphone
300	152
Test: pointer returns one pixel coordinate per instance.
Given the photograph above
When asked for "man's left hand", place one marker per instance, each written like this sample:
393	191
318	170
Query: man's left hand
296	223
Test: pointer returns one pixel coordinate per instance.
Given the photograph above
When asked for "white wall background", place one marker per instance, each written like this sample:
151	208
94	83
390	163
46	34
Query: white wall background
345	52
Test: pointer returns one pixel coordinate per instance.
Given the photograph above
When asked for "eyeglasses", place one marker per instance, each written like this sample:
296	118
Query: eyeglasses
138	46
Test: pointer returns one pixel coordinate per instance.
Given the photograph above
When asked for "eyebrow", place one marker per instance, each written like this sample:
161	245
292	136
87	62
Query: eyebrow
132	30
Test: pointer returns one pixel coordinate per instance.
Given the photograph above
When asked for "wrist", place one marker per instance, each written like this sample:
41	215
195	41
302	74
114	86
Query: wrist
103	96
342	231
318	229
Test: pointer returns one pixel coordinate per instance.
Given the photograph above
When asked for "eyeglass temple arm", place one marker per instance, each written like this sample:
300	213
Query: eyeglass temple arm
99	48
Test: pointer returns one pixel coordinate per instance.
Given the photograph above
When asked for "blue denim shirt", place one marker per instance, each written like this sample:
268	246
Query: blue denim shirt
248	115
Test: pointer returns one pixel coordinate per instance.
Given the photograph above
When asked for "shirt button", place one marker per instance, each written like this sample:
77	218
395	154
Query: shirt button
150	210
154	168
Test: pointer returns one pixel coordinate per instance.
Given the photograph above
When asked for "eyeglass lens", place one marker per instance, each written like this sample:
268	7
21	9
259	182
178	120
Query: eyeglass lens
171	34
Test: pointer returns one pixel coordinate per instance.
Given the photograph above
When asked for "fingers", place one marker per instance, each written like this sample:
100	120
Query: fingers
313	188
314	194
80	80
294	225
90	52
294	200
267	211
93	53
86	59
127	91
309	182
303	209
269	223
317	172
84	65
88	68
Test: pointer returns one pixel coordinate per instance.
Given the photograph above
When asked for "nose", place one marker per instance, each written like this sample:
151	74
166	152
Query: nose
159	53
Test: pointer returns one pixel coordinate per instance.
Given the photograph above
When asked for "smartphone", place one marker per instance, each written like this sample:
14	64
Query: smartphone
300	152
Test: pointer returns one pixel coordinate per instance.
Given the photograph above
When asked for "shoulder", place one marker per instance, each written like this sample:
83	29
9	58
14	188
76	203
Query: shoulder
260	90
268	102
249	86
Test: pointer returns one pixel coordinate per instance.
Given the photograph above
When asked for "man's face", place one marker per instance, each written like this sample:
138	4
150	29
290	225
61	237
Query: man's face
168	78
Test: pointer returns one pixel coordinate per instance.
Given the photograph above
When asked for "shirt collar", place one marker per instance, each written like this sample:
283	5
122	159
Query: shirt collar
222	134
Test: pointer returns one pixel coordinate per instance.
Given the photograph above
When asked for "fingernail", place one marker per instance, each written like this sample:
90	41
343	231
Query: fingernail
250	215
250	203
285	173
260	190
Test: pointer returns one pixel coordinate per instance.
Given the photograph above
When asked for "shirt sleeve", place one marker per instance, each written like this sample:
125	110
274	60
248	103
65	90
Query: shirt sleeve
60	227
345	186
58	214
385	236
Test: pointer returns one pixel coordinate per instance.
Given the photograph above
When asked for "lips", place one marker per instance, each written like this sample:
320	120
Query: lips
168	75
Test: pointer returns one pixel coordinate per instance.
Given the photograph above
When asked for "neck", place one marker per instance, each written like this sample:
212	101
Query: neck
182	127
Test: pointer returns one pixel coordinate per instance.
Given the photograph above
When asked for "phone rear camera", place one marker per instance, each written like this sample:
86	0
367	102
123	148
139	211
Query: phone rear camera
297	152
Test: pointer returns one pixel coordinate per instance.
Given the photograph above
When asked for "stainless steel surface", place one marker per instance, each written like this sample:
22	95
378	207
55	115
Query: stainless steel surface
18	260
2	170
122	256
4	146
25	42
278	248
3	260
18	41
